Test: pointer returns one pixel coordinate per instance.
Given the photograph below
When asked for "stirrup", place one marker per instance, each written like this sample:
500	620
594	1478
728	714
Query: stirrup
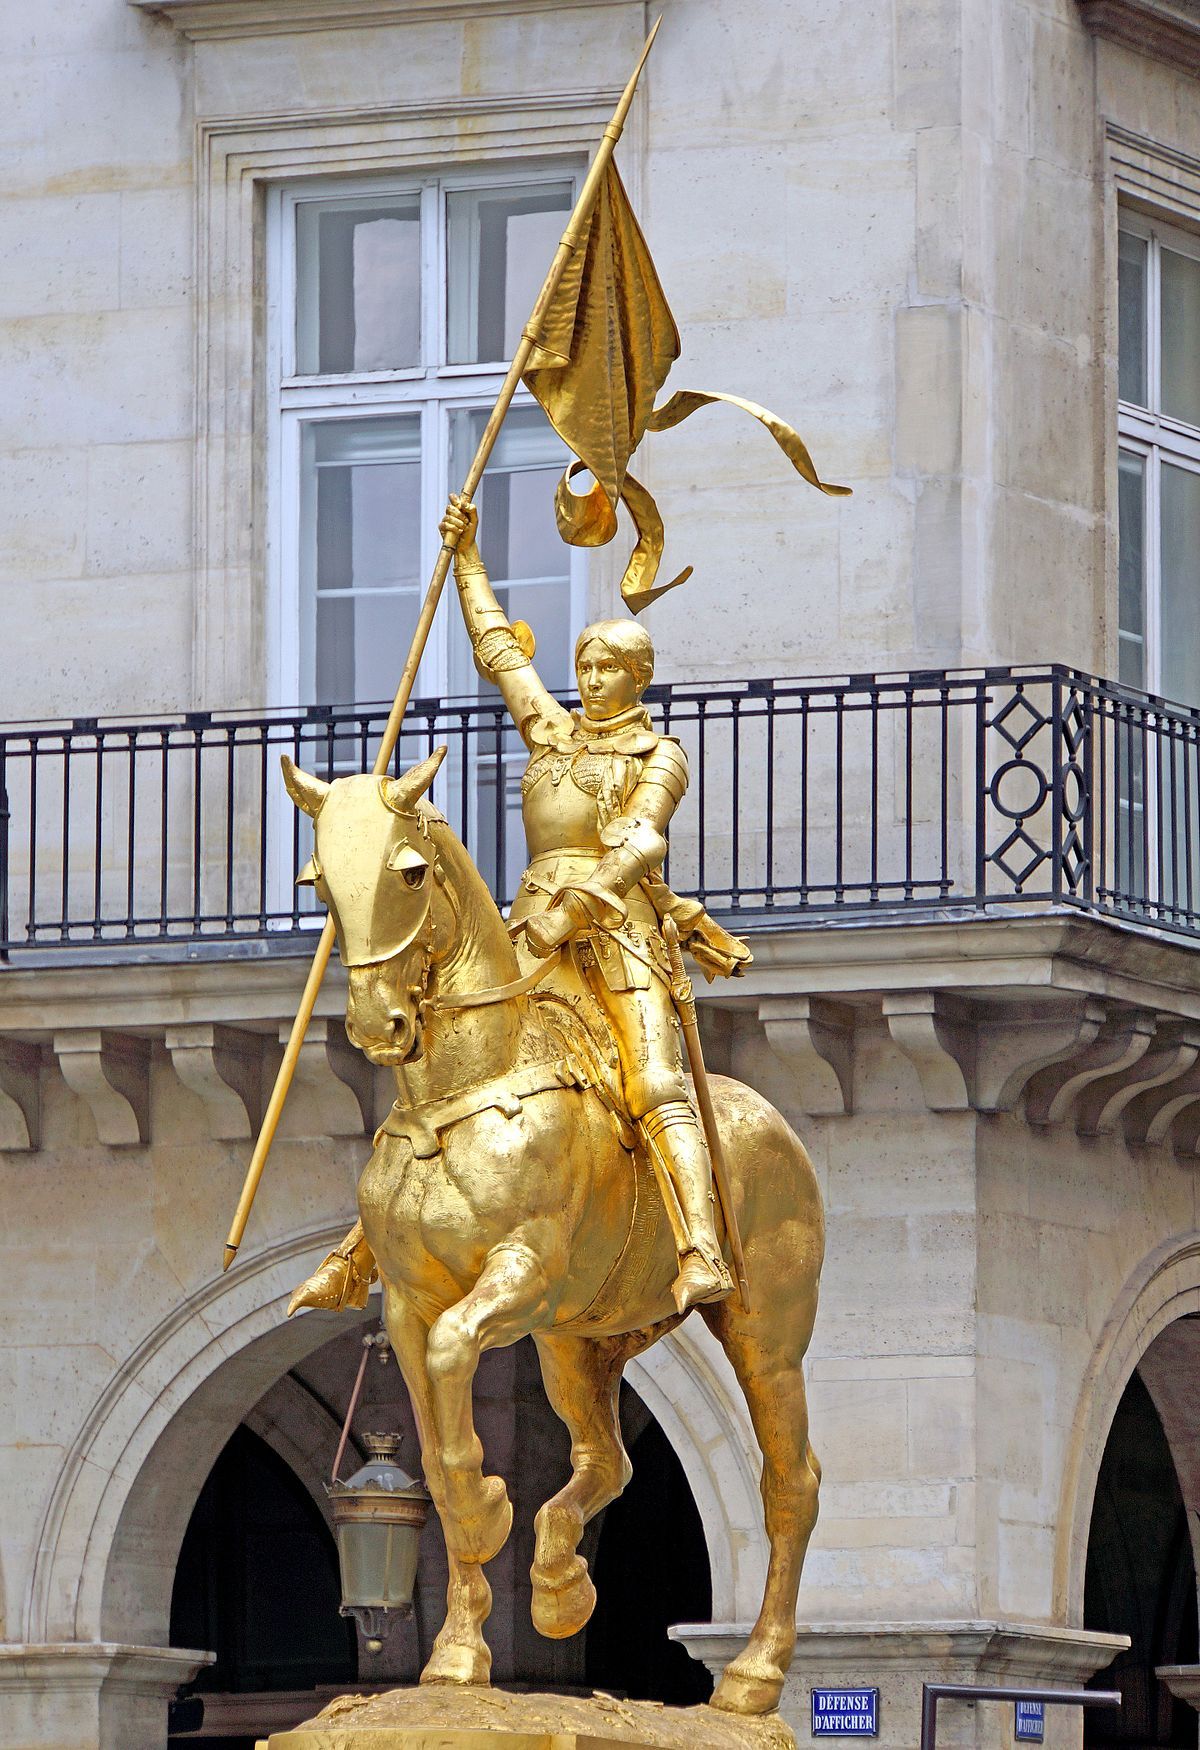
700	1281
335	1285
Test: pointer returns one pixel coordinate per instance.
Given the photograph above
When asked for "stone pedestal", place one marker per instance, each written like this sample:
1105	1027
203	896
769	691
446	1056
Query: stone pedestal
89	1695
897	1658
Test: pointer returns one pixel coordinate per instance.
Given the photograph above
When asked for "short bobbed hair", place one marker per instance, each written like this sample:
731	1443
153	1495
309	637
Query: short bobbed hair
627	642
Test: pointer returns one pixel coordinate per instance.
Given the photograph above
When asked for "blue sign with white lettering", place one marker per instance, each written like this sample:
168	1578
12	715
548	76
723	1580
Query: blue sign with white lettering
845	1713
1029	1724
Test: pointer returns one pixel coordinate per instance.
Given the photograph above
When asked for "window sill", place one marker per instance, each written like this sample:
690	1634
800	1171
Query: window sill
200	19
1169	30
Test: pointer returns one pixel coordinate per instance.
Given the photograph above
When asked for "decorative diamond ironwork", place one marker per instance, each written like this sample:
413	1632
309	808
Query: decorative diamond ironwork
1000	721
1037	856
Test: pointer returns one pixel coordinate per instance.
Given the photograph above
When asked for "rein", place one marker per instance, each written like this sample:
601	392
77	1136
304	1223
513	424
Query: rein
480	999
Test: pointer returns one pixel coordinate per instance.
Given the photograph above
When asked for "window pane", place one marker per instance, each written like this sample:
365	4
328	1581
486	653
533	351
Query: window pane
1131	322
360	553
500	242
358	285
1131	517
1180	336
1180	585
527	560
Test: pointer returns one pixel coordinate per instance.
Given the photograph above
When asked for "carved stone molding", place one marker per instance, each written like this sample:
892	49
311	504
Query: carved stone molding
1169	30
111	1073
223	1068
814	1039
938	1039
1053	1093
200	19
20	1095
1015	1046
333	1090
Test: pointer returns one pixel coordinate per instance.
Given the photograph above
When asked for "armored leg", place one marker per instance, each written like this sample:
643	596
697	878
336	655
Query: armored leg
673	1132
344	1278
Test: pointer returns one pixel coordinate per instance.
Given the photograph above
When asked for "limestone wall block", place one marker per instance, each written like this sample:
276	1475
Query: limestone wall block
1046	250
939	212
43	506
139	505
117	120
1048	391
736	255
941	1427
61	256
156	265
862	1427
929	389
848	212
114	378
114	643
928	37
1062	92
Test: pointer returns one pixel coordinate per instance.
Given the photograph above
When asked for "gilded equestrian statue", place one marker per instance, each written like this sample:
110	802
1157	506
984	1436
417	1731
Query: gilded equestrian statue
542	1171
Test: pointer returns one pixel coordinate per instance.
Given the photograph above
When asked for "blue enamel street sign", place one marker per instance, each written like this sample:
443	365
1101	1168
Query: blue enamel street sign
1029	1725
845	1713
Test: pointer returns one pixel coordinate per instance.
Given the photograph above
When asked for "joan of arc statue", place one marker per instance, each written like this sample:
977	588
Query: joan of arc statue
597	798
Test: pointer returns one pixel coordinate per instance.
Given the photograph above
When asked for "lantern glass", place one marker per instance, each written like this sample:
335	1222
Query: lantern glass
379	1515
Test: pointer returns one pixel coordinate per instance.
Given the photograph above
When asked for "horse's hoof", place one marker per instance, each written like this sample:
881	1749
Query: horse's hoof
740	1692
455	1664
562	1608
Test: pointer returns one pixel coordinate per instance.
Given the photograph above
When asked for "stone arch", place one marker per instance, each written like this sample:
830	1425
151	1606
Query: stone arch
111	1533
1164	1288
688	1385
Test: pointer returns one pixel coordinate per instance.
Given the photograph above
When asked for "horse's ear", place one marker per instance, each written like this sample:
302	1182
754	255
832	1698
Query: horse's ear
305	791
403	793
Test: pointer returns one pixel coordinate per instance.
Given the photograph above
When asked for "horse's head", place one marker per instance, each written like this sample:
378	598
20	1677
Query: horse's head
375	866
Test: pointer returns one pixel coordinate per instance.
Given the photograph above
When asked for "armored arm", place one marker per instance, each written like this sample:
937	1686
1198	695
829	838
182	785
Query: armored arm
500	655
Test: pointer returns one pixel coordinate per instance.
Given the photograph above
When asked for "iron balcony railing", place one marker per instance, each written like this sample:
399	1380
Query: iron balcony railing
860	796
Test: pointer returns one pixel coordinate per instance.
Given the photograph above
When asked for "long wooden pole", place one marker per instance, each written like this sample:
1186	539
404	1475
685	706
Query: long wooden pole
529	336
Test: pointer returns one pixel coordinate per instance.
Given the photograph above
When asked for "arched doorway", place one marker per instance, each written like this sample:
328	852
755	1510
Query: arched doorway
1140	1577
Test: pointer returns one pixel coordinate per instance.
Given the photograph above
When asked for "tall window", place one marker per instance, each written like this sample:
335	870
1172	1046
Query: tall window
394	310
1159	483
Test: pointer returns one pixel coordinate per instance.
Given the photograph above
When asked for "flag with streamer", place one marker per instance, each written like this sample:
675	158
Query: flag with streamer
602	352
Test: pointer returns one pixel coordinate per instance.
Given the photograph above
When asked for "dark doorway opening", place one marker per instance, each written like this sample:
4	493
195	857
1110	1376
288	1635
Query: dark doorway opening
257	1583
1141	1581
651	1570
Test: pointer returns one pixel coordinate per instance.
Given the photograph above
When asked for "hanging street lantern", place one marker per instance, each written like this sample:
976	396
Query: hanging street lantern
378	1516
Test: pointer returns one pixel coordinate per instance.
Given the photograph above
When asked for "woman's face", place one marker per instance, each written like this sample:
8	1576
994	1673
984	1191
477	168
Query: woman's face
605	687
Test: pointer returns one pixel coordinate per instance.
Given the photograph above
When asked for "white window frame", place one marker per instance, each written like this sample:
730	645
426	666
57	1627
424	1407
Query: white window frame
1150	433
434	389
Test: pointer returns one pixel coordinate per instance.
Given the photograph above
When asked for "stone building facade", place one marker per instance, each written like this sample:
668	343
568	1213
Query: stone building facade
958	242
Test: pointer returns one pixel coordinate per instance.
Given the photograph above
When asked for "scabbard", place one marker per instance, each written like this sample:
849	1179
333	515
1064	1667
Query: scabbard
685	1008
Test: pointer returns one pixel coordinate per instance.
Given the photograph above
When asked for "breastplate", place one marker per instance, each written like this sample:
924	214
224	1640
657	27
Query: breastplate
558	812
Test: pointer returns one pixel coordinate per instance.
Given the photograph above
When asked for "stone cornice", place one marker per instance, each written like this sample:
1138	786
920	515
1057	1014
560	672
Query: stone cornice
209	19
1167	29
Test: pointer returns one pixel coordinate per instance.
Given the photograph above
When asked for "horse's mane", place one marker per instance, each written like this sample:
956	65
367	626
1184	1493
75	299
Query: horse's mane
472	893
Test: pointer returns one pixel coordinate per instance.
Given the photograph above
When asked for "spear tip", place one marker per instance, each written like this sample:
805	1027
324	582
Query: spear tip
230	1254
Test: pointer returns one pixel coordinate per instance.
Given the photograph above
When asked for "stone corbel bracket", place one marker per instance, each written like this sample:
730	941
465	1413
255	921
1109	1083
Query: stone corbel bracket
20	1096
1145	1088
111	1074
814	1039
223	1068
937	1036
333	1090
1055	1094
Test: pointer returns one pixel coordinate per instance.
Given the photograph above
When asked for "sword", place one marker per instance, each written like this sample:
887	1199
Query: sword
684	999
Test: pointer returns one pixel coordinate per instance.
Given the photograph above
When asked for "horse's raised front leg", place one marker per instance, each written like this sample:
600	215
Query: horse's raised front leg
508	1300
582	1376
460	1654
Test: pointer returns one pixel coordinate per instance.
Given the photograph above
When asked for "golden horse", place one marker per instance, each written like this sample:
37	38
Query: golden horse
502	1201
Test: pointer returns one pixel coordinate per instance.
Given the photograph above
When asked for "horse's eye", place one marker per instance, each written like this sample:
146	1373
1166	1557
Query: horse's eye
414	876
